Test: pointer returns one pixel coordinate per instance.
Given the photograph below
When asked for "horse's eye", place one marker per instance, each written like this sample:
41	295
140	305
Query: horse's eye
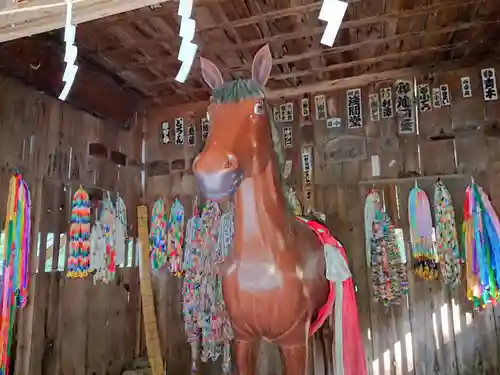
258	108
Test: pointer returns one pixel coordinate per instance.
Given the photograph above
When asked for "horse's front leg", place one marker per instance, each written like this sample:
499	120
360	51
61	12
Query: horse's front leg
245	356
294	359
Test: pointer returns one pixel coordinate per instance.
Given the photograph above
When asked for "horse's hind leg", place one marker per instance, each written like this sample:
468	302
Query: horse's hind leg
294	359
245	355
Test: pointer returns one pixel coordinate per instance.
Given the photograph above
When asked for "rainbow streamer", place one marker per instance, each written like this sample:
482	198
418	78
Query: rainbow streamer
425	260
158	235
481	238
79	256
15	264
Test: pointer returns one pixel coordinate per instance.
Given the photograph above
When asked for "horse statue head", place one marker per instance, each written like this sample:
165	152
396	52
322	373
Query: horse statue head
241	131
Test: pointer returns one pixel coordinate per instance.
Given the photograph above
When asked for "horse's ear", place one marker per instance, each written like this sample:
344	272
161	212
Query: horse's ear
262	63
211	74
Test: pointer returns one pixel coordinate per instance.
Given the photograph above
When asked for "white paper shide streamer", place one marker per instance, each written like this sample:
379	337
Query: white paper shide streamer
188	48
332	12
70	53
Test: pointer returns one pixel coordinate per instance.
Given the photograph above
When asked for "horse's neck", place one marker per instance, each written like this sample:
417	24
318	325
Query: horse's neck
261	220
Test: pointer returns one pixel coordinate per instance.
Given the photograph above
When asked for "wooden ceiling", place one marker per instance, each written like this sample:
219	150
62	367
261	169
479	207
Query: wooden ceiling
136	52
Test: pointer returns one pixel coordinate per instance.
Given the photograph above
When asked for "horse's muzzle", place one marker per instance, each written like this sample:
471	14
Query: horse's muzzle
219	185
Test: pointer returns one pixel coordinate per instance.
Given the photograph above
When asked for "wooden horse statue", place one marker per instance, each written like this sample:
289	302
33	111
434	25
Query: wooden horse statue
274	282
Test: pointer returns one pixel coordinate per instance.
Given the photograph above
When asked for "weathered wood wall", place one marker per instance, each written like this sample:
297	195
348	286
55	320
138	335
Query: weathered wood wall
435	331
70	327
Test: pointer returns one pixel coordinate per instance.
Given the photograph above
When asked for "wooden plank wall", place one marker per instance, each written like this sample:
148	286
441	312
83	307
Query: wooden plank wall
78	328
435	330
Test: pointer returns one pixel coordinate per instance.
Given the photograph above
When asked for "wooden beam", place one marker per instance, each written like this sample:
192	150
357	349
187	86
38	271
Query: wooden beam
38	62
337	49
356	23
368	61
39	16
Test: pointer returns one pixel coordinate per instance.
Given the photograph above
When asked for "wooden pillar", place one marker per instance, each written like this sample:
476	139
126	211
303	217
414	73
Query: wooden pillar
148	308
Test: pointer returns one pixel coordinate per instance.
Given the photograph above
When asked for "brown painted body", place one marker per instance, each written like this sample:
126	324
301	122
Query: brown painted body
274	277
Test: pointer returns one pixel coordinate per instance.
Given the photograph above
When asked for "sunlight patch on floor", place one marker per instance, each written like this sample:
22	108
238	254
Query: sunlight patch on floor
398	359
445	325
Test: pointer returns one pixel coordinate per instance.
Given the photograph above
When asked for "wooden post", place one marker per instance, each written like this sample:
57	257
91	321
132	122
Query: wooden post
148	308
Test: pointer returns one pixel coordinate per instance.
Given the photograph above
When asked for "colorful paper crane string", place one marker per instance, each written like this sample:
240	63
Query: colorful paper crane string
481	238
79	254
389	276
425	260
158	235
107	217
15	264
208	239
446	235
175	237
120	230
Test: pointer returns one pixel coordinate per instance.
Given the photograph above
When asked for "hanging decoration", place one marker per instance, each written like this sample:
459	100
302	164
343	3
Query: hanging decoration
333	122
446	235
276	114
179	131
389	276
404	106
165	133
489	80
175	237
188	49
191	298
204	128
436	97
320	105
282	112
120	230
108	240
466	87
287	137
78	259
97	252
191	135
107	217
354	109
424	98
481	238
374	104
286	112
425	259
15	264
445	95
71	52
386	102
158	235
207	325
305	107
307	173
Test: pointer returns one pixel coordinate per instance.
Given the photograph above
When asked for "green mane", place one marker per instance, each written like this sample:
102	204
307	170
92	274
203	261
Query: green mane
237	90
